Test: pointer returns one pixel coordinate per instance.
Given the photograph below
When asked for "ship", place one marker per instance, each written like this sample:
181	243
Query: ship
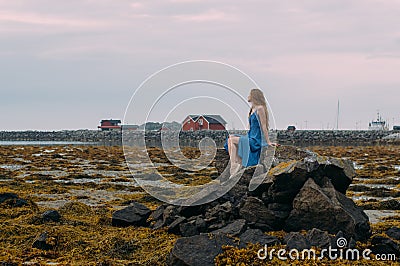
378	124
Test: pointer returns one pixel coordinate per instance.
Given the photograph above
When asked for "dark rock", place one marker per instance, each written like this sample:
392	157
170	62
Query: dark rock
280	207
158	224
255	236
257	214
391	204
289	153
189	211
394	233
170	213
233	229
188	229
291	175
237	193
382	168
216	226
51	216
288	178
318	238
12	200
7	263
41	242
340	171
223	212
156	217
136	214
337	241
158	213
384	245
149	176
329	210
193	226
200	223
352	243
174	226
7	196
295	240
199	250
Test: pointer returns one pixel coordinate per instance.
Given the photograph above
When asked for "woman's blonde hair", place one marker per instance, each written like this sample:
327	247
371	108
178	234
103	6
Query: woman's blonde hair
257	97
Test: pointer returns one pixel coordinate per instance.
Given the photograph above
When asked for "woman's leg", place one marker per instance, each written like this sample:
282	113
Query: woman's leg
235	159
233	150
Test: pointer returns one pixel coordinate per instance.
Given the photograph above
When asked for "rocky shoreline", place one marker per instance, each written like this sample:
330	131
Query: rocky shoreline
303	191
187	138
80	205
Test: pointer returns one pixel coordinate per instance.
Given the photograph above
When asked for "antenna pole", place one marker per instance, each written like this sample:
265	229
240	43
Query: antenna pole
337	117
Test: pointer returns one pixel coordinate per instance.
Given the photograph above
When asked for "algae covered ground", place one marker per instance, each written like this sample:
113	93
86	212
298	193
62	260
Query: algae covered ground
86	184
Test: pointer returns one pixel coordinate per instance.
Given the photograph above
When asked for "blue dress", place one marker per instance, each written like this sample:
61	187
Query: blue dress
249	147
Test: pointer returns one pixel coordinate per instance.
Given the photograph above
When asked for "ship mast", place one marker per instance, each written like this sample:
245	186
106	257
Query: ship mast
337	116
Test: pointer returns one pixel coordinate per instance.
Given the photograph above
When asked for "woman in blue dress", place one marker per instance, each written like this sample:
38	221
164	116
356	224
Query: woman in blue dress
244	150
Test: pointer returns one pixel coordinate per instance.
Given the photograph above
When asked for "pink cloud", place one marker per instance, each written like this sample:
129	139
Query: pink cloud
210	15
34	19
339	67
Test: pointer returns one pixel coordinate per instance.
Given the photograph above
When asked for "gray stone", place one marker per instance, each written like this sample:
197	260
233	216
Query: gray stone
188	229
394	232
199	250
51	216
174	227
135	214
233	229
41	242
256	236
257	214
295	240
327	209
318	238
221	211
12	200
384	245
170	213
7	196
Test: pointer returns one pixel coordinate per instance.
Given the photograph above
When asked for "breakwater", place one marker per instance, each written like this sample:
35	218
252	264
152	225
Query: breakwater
188	138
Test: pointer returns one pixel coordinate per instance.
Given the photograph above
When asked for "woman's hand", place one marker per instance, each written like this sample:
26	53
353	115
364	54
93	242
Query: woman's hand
273	144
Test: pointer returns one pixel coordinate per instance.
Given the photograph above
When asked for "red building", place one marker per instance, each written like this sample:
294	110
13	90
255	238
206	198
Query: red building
203	122
110	124
113	124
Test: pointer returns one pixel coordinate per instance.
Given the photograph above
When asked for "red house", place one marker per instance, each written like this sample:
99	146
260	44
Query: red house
203	122
110	124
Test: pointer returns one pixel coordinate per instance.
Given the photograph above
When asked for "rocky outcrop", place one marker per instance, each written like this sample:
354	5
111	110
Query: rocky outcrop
327	209
303	190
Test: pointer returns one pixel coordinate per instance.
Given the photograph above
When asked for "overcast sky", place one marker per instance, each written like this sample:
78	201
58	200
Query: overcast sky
69	64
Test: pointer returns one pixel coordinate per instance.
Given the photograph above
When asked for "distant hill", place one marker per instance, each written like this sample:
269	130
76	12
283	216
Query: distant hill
172	125
156	125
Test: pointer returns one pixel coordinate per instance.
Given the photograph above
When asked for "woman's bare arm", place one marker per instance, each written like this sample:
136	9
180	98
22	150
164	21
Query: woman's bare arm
263	122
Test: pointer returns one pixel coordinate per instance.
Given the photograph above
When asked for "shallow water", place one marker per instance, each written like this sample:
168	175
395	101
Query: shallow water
12	167
376	216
